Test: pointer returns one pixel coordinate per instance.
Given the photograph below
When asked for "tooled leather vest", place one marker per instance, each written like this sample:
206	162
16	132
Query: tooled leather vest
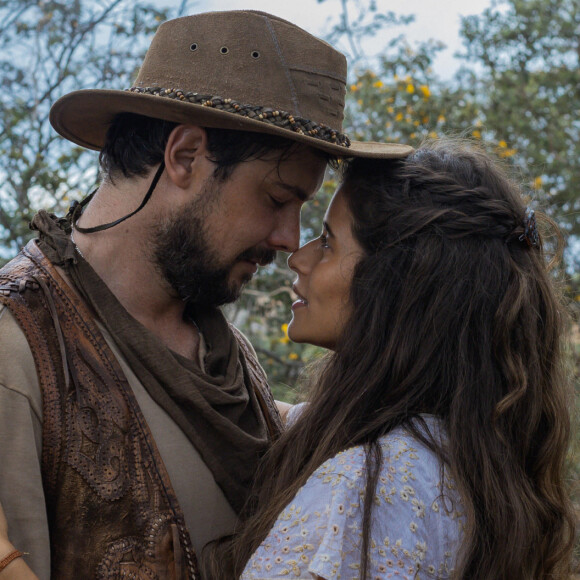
112	510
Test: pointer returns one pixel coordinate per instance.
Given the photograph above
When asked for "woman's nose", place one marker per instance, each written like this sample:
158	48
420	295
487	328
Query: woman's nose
301	260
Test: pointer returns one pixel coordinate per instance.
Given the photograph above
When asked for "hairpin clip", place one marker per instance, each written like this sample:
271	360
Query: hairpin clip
530	235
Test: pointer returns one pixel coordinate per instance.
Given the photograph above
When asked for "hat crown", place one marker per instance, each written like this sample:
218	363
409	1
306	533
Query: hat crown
252	58
237	70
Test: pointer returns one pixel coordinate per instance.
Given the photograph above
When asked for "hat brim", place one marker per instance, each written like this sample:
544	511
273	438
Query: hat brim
84	116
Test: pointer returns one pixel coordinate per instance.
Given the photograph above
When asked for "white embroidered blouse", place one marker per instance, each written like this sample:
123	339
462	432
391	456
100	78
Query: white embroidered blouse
416	528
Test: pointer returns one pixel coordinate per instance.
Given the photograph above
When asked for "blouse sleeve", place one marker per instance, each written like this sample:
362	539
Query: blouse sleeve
310	536
320	532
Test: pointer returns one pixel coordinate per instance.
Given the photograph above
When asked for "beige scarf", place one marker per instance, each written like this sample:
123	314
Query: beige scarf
216	409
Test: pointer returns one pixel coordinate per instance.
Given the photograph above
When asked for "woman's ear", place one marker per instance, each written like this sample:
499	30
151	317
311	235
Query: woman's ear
186	156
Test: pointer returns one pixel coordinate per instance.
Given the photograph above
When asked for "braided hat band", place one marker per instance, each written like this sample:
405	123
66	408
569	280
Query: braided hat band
277	118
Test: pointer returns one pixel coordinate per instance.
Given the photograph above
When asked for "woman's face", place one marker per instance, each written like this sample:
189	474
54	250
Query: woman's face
325	267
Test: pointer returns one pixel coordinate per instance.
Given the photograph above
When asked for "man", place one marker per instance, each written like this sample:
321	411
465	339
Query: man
132	416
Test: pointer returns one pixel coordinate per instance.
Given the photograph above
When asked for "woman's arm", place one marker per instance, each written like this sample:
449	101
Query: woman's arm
283	409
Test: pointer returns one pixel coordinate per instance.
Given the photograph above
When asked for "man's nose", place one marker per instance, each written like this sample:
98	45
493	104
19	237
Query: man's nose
286	235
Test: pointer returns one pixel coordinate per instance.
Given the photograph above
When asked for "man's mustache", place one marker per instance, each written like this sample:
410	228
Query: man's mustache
263	256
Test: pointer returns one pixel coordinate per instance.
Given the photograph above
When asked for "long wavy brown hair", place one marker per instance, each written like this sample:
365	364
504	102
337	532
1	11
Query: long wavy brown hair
454	314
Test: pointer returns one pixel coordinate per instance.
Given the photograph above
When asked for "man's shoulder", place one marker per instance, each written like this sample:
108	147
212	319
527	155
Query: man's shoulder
12	337
19	264
260	381
249	352
17	367
243	340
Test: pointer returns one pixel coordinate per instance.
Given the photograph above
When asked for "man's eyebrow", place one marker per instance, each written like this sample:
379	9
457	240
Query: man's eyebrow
327	227
293	189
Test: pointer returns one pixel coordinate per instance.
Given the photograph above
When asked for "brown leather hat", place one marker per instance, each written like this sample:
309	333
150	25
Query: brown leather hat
243	70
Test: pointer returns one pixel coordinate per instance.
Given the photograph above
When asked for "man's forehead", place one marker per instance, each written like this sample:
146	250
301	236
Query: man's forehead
301	176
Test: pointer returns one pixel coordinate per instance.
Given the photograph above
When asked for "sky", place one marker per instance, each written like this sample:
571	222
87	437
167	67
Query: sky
439	20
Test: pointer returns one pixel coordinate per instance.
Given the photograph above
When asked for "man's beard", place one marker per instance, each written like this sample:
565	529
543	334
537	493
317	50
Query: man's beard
188	263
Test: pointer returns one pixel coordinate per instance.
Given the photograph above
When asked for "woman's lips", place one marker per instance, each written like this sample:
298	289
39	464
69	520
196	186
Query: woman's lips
301	300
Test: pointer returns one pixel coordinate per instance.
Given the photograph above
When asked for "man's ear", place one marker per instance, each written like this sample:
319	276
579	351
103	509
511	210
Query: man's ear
186	156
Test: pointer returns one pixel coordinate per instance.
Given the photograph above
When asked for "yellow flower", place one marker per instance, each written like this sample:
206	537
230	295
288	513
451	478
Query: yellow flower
293	356
284	329
413	135
378	84
353	88
410	88
433	135
502	144
425	90
416	123
360	102
537	182
507	152
425	119
396	77
441	119
390	110
399	117
477	134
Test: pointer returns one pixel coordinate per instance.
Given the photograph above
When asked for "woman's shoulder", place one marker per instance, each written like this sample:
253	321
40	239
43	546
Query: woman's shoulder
401	451
412	482
415	524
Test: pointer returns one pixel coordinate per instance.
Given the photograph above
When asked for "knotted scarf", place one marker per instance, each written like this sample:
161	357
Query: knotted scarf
216	408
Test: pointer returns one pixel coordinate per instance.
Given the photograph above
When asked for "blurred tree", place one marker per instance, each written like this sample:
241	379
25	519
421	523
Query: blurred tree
357	21
517	91
48	48
524	72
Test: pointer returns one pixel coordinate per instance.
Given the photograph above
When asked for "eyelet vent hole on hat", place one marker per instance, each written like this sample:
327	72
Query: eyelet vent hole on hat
224	50
255	54
193	47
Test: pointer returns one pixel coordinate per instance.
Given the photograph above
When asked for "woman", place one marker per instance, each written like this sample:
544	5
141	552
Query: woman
434	442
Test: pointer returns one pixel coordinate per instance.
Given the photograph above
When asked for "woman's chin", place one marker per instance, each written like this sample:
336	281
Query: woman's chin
302	336
297	334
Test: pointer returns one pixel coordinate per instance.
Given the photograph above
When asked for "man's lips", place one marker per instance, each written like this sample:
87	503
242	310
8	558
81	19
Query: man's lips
259	256
253	264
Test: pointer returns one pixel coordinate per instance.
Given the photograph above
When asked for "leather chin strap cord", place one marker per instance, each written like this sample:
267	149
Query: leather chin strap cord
76	208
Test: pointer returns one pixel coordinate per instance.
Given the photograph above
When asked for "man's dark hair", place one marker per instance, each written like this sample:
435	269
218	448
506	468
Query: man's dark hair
135	143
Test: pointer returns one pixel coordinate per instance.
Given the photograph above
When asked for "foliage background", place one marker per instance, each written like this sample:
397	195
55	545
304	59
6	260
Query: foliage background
517	91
